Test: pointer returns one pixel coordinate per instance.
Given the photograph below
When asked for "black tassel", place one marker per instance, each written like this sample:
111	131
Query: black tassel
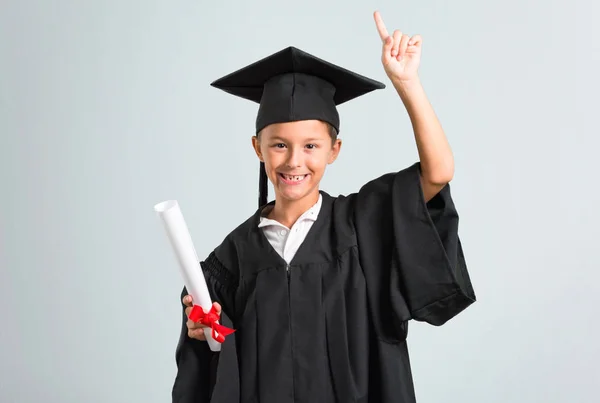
263	186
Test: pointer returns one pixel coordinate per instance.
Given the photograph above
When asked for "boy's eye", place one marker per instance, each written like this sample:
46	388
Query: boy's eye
279	145
310	146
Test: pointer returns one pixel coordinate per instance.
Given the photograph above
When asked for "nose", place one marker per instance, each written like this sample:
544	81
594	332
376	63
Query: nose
294	157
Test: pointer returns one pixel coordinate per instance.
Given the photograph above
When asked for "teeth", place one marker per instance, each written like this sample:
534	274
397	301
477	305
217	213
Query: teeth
294	178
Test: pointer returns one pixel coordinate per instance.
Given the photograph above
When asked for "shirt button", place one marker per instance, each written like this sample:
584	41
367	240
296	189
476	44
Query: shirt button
282	232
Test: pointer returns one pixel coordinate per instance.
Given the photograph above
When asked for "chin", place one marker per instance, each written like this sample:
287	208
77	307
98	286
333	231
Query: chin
294	194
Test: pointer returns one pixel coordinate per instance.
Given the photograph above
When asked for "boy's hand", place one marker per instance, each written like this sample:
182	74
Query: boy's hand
196	330
401	54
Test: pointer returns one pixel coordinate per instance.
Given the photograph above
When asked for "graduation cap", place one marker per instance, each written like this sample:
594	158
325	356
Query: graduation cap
292	85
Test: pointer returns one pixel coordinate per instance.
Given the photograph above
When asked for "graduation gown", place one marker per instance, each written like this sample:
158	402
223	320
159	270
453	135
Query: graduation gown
331	326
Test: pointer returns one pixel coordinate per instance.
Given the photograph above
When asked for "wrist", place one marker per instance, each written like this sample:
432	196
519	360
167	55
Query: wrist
407	86
411	93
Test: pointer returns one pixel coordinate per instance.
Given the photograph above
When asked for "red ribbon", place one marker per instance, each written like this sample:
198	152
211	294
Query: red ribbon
210	319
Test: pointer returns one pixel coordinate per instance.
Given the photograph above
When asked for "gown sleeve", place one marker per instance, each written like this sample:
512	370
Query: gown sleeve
196	363
410	252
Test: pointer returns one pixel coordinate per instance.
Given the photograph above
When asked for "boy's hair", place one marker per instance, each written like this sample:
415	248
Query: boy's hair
263	183
332	133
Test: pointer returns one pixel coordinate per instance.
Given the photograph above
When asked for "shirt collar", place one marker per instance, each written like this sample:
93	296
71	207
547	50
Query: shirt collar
310	214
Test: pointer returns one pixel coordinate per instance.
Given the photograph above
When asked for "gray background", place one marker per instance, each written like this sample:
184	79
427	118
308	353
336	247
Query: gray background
105	110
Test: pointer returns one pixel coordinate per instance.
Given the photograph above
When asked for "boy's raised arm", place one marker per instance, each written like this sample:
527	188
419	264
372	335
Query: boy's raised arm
400	57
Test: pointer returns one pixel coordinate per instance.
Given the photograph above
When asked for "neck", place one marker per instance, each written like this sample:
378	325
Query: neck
287	212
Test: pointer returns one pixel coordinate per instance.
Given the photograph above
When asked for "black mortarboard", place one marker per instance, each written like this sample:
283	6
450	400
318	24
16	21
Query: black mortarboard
293	85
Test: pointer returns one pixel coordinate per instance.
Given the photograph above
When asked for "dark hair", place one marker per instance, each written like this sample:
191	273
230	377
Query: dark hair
263	181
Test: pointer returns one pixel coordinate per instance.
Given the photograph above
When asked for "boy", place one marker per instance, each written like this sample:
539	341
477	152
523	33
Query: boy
319	288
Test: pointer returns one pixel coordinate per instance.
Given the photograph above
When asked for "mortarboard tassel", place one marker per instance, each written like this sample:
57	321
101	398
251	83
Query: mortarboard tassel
263	184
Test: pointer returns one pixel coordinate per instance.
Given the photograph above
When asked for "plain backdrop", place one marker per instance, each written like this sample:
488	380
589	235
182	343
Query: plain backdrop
106	109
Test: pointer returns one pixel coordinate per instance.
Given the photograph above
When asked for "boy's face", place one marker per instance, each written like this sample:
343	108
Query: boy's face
296	155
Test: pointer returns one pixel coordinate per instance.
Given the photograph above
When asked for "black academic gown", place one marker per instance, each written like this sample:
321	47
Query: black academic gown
331	327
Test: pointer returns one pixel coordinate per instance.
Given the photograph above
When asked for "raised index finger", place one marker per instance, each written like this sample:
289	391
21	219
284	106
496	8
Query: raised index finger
383	33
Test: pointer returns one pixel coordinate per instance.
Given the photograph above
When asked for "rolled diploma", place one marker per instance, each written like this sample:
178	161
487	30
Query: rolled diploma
181	242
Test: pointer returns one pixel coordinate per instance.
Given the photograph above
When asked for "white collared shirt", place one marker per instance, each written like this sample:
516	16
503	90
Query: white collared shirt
286	241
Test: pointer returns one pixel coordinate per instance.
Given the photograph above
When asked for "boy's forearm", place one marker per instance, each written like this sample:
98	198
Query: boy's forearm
435	154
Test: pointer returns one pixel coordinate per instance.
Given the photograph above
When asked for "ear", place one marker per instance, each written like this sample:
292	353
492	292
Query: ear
335	151
256	146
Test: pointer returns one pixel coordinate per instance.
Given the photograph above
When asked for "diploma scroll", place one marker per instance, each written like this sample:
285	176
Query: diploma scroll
181	242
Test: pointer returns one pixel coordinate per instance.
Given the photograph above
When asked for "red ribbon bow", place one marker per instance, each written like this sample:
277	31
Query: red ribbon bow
210	318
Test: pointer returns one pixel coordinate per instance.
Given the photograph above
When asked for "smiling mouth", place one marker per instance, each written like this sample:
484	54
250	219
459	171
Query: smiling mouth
293	178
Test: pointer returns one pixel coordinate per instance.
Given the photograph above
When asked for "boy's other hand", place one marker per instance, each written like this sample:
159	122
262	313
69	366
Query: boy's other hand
196	330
